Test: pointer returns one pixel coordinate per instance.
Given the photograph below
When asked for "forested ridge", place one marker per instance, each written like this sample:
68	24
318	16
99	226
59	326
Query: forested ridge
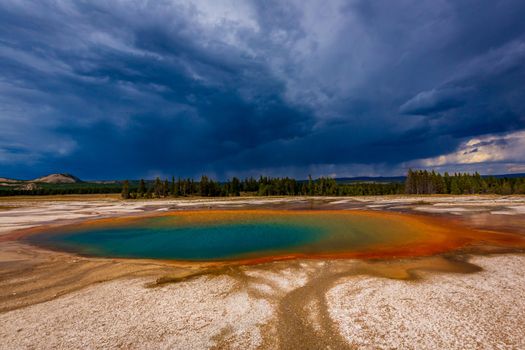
416	182
263	186
431	182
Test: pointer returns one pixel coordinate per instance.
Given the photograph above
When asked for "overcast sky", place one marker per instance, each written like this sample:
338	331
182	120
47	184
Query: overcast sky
129	89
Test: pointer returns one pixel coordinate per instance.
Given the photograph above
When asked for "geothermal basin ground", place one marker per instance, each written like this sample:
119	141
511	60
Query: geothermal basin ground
468	295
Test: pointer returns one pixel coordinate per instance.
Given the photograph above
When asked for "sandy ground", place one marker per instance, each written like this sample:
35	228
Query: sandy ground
62	301
484	310
305	304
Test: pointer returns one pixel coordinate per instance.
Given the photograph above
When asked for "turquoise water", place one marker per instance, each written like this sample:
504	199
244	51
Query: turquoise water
197	243
249	234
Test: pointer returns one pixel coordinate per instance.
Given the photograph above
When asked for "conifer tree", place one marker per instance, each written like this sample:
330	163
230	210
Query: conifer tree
142	188
157	188
125	190
235	187
165	188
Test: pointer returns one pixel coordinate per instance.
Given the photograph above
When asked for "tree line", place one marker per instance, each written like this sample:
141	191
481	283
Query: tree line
431	182
263	186
417	182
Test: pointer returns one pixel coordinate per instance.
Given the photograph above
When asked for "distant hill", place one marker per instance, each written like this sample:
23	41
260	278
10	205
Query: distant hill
6	180
57	179
389	179
510	176
375	179
65	178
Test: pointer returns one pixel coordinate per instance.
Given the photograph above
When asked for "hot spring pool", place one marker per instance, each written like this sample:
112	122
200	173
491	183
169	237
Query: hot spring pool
253	234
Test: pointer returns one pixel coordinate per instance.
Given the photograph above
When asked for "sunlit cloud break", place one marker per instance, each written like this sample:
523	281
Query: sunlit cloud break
505	150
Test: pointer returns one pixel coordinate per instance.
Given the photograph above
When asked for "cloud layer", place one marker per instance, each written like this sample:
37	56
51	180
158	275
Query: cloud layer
132	88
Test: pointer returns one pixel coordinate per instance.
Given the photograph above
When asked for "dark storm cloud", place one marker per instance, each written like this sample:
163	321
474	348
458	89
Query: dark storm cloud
434	101
483	98
129	89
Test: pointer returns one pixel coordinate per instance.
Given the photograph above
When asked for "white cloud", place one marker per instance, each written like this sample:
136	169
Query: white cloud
506	148
217	13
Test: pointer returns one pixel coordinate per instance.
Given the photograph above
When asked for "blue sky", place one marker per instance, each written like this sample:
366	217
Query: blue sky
129	89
